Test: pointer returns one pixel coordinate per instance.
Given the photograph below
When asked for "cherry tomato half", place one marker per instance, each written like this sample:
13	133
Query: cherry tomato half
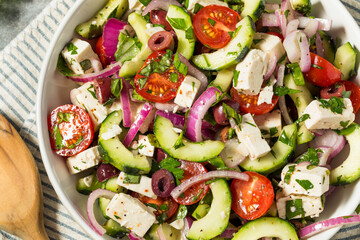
213	23
248	103
196	192
100	51
163	205
252	199
71	130
355	94
322	73
158	86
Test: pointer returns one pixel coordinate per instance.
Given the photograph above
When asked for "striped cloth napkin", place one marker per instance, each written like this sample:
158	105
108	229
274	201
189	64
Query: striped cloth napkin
20	64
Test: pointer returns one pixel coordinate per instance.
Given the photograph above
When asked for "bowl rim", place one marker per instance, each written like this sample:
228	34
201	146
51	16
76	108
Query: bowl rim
40	119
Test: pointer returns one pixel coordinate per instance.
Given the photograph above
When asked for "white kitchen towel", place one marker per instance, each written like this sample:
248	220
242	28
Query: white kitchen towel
20	64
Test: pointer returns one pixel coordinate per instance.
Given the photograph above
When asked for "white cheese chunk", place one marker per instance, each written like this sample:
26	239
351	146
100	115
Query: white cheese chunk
115	106
266	95
269	123
204	3
269	43
305	180
135	5
312	206
178	224
145	147
130	213
82	97
257	147
150	30
143	187
251	72
78	55
234	152
187	92
324	118
111	132
82	161
247	127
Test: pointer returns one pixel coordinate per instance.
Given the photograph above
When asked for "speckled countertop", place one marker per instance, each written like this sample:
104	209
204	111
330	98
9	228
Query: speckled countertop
15	15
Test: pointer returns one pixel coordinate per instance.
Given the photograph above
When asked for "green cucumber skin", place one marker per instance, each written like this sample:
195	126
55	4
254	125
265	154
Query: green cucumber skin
301	100
266	227
186	47
82	188
114	8
192	151
253	13
115	153
212	224
328	45
349	170
345	61
220	59
269	163
302	6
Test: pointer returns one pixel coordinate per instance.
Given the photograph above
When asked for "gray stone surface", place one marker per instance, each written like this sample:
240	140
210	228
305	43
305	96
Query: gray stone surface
15	15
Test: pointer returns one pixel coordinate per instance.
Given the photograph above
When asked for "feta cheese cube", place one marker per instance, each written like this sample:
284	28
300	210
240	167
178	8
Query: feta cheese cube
266	95
257	147
150	30
269	43
78	55
204	3
135	5
233	153
311	206
145	147
130	213
324	118
82	161
251	72
111	132
305	180
82	97
247	127
178	224
187	92
143	187
269	123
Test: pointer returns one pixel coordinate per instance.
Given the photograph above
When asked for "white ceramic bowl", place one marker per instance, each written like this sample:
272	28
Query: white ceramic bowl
54	91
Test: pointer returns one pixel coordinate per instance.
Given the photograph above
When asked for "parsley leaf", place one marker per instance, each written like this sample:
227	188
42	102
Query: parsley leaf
311	155
289	173
92	92
197	8
133	179
294	208
116	87
211	21
282	91
231	113
346	94
178	23
297	74
173	77
171	164
189	34
305	184
344	124
302	118
72	49
335	104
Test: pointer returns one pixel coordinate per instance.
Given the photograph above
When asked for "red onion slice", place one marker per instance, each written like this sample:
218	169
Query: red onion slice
125	104
269	20
319	46
169	107
177	120
297	49
110	70
188	224
96	64
291	47
329	139
196	73
228	233
318	227
292	26
271	66
305	60
207	176
139	120
324	155
311	28
112	29
162	4
282	103
280	74
282	22
324	24
198	111
98	193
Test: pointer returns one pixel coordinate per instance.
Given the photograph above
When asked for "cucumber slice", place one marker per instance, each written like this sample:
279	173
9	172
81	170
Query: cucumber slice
253	8
88	184
349	170
200	211
232	53
191	151
93	28
111	185
302	6
301	100
114	152
266	227
224	79
328	46
184	31
217	219
103	203
345	60
278	157
130	68
170	233
114	229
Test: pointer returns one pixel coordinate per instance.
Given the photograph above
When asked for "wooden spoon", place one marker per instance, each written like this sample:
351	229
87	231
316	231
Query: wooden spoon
21	201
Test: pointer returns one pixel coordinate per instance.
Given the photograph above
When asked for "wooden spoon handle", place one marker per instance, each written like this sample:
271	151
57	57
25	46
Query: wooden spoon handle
21	199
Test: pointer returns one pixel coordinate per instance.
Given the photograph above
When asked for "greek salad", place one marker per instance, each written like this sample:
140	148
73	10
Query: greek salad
208	119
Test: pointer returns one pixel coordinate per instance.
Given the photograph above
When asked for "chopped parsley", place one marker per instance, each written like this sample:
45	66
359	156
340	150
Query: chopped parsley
174	77
305	184
302	118
273	131
197	8
64	117
344	124
294	208
282	91
236	77
335	104
196	197
172	164
346	94
72	49
91	91
289	173
178	23
180	66
231	113
297	74
133	179
116	87
311	155
211	21
189	34
316	66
